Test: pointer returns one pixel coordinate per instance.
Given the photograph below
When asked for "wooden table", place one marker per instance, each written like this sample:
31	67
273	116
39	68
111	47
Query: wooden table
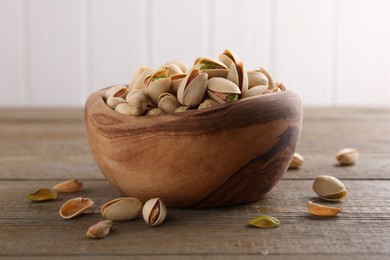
40	147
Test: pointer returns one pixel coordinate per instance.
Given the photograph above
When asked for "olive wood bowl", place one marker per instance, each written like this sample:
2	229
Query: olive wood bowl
229	154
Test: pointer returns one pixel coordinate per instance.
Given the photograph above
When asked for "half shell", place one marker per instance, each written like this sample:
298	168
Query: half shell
176	81
137	74
75	207
228	57
69	186
213	68
121	209
237	74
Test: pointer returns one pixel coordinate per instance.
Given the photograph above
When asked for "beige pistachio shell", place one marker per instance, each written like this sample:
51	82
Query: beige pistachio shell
176	81
237	74
121	209
100	229
297	161
140	82
157	84
212	67
137	104
220	89
329	188
271	82
137	74
255	91
228	57
168	103
112	102
321	210
116	91
208	103
69	186
182	109
75	207
181	64
154	212
192	89
172	69
155	112
256	78
347	156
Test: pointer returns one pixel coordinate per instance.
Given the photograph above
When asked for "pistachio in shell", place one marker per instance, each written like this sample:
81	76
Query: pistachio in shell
156	84
121	209
237	74
137	74
114	101
347	156
212	67
256	78
154	212
168	103
329	188
264	222
181	64
172	69
228	57
69	186
137	104
140	82
255	91
100	229
75	207
42	195
271	82
116	91
192	88
176	81
321	210
222	90
297	161
155	112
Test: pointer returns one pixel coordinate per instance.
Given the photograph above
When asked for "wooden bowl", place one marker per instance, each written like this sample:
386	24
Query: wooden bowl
229	154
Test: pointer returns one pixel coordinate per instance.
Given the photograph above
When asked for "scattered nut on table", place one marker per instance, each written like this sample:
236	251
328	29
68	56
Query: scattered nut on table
42	195
69	186
297	161
347	156
121	209
75	207
264	222
321	210
329	188
100	229
154	212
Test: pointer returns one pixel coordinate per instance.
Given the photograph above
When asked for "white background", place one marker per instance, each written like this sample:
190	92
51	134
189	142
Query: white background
330	52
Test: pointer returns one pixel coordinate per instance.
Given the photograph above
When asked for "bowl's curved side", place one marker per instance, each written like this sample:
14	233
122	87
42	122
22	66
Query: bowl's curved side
229	154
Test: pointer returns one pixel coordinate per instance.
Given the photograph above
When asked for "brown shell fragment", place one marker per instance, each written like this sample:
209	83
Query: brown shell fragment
42	195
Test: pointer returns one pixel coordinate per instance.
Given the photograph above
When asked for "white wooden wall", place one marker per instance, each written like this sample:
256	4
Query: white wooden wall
330	52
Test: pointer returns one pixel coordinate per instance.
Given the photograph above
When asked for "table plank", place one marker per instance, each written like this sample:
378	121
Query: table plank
29	228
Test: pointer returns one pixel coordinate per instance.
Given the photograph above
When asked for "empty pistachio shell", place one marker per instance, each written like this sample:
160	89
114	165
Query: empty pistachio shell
264	222
297	161
116	91
42	195
321	210
347	156
157	83
138	73
75	207
154	212
271	82
121	209
69	186
100	229
329	188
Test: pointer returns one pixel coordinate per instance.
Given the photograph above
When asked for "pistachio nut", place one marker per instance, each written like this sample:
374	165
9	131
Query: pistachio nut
347	156
155	112
237	74
255	91
116	91
112	102
137	104
100	229
264	222
256	78
121	209
154	212
42	195
208	103
182	109
297	161
176	81
228	57
212	67
69	186
321	210
140	82
329	188
168	103
192	88
181	64
156	84
271	82
137	74
222	90
75	207
172	69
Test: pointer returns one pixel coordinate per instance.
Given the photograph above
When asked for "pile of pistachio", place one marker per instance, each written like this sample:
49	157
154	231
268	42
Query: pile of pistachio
175	87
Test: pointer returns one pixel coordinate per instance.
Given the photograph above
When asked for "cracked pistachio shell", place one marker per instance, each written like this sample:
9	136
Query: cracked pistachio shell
140	82
208	103
100	229
271	82
255	91
329	188
256	78
116	91
237	74
222	90
155	112
42	195
69	186
213	68
168	103
112	102
176	81
172	69
321	210
228	57
157	83
347	156
192	88
297	161
75	207
154	212
181	64
182	109
264	222
137	104
121	209
137	74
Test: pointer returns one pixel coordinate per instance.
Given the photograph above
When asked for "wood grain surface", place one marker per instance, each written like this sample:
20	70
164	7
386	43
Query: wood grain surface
40	147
